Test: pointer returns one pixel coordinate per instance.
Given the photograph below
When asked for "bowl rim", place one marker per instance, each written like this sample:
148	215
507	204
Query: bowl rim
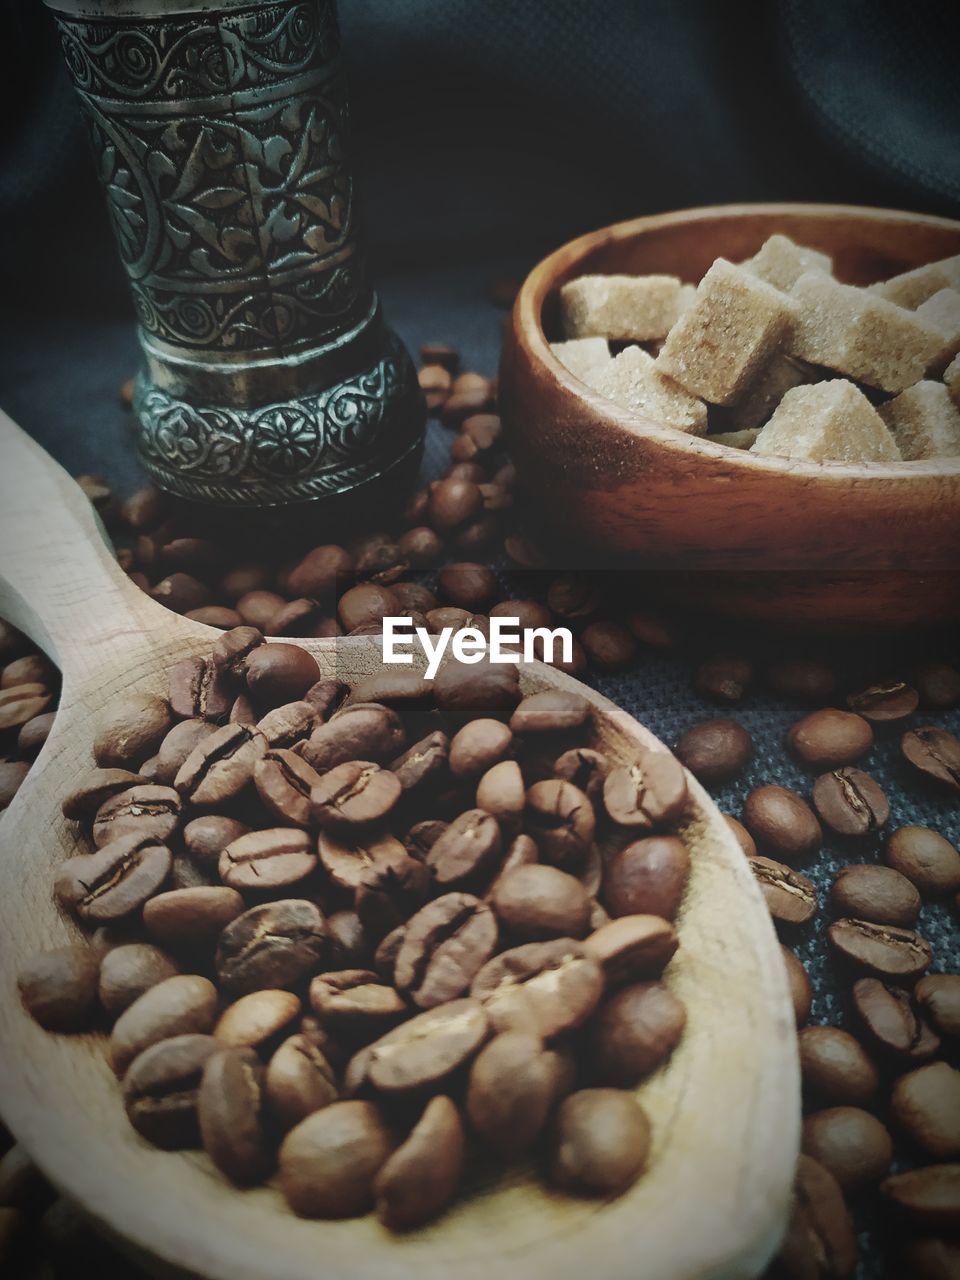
542	280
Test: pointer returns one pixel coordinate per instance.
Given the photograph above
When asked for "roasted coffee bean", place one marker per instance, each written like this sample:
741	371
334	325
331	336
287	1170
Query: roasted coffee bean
278	673
934	753
421	548
562	821
829	738
452	502
363	731
435	383
443	948
782	822
145	508
798	981
883	949
328	1163
95	787
925	1105
512	1087
198	556
938	996
257	607
31	669
715	750
926	858
551	710
355	794
126	972
301	617
836	1068
414	597
632	947
422	836
884	703
851	1143
648	793
58	988
742	836
354	1005
890	1023
521	852
850	802
878	894
937	684
287	725
574	595
478	746
215	615
181	1005
585	768
33	735
424	764
608	644
185	873
422	1176
366	604
191	917
248	575
469	692
547	988
130	729
821	1242
206	837
234	647
424	1051
346	861
181	592
221	766
392	688
277	944
349	945
648	877
299	1081
160	1090
200	688
147	811
535	903
501	792
390	890
467	585
600	1143
230	1111
385	956
790	897
285	782
724	678
320	572
801	679
113	882
177	745
929	1198
634	1031
258	1019
22	703
467	851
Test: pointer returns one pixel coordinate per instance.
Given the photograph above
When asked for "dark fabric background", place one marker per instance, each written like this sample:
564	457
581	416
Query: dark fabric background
486	132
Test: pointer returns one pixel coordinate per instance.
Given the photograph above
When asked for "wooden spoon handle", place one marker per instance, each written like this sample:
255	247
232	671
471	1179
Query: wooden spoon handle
59	581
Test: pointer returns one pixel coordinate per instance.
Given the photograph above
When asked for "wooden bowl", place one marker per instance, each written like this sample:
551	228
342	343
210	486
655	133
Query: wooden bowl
822	545
725	1110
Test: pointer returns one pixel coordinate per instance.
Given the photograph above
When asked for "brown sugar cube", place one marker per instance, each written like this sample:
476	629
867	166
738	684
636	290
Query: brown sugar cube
857	333
633	381
583	356
951	378
624	308
924	422
781	262
827	422
770	384
942	312
736	439
913	287
735	323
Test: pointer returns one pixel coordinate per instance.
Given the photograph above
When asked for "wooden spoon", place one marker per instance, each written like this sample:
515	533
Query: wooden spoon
725	1110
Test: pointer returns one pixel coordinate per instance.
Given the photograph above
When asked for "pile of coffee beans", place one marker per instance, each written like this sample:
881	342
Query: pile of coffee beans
29	691
348	934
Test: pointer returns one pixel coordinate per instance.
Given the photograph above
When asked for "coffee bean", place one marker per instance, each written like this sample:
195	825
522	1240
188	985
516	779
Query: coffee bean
200	688
548	988
423	1175
535	903
829	738
397	689
354	1005
32	669
650	792
126	972
214	615
928	1198
715	750
443	948
390	890
181	1005
798	981
742	836
320	572
926	858
129	730
288	725
58	987
647	877
206	837
573	596
938	995
177	745
299	1081
160	1089
790	897
635	1030
878	894
185	873
147	811
364	731
561	820
284	782
782	822
95	787
232	649
934	753
230	1114
277	944
601	1142
468	849
181	592
724	678
464	692
221	766
850	802
422	1052
937	684
453	503
345	861
890	1023
258	1019
501	793
467	585
883	949
632	947
424	764
277	673
113	882
851	1143
366	604
478	746
821	1242
801	679
925	1104
22	704
585	768
349	944
258	607
355	794
191	917
33	735
885	703
512	1087
608	644
835	1067
329	1161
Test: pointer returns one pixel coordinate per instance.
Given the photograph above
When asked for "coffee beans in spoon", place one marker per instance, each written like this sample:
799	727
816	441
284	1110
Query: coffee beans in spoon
331	940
